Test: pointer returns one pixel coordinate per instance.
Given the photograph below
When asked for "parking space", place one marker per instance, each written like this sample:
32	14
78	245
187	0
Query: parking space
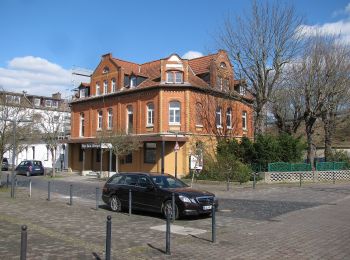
271	222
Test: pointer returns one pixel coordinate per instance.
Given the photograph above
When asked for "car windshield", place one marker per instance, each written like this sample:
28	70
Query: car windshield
168	182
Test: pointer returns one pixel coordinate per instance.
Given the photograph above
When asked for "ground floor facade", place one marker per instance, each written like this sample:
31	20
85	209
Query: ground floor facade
164	154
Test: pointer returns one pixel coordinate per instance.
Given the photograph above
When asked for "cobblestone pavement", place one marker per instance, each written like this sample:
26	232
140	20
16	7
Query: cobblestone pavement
270	222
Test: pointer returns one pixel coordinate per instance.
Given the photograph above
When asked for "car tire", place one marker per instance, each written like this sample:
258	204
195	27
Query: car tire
28	174
115	204
169	205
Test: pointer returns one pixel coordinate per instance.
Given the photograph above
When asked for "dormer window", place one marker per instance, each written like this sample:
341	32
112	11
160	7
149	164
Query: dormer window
105	70
174	77
37	102
132	82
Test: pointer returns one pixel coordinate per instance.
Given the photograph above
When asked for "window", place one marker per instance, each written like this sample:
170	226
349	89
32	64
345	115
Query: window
174	77
150	114
144	182
226	84
244	120
150	150
114	89
128	158
132	82
105	70
82	93
82	124
98	90
105	87
222	65
199	114
130	119
229	118
218	120
110	118
99	119
37	102
219	82
54	103
98	155
174	113
13	99
48	103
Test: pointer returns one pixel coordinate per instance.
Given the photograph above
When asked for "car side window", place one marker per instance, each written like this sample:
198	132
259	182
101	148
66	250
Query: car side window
131	180
22	163
117	179
144	181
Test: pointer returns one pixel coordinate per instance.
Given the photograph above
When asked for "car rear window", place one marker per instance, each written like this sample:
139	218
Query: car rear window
37	163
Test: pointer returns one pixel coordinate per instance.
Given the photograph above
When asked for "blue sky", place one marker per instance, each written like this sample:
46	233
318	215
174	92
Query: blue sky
42	40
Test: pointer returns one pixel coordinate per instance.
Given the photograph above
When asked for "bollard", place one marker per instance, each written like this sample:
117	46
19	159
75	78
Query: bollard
333	178
173	206
108	237
300	179
23	243
30	188
48	191
130	200
71	194
213	224
7	181
97	198
167	233
254	180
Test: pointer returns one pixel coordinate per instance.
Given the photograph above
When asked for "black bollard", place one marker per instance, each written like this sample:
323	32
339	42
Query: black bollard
333	177
130	202
213	224
71	194
108	237
173	206
97	198
167	233
23	243
48	191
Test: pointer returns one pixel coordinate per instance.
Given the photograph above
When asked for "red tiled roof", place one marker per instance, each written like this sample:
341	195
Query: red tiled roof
152	69
201	65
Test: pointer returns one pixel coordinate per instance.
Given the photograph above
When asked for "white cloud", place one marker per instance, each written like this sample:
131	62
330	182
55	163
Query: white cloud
339	28
192	54
35	75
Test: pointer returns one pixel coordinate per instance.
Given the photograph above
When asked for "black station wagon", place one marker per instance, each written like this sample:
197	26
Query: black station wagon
153	192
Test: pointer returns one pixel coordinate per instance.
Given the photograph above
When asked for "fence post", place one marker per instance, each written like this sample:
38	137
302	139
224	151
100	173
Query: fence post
130	202
333	177
48	190
7	181
97	198
23	242
108	237
213	222
71	194
173	206
30	188
299	179
167	233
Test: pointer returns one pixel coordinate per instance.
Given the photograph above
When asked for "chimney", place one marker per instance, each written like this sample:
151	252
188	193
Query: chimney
56	95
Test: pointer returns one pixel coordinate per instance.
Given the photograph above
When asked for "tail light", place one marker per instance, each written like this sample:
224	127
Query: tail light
105	189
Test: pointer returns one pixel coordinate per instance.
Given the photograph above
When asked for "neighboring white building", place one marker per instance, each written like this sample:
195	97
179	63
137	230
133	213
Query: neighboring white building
38	109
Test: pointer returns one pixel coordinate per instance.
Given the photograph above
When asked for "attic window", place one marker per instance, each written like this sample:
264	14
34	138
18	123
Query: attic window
222	65
174	77
105	70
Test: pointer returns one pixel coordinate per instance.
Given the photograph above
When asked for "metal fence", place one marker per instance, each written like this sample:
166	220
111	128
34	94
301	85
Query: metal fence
302	167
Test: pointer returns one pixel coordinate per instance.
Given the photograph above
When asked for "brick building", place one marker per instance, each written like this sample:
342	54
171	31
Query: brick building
163	102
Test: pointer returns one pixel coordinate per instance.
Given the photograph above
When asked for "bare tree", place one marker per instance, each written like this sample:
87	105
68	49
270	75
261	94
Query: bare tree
120	143
259	45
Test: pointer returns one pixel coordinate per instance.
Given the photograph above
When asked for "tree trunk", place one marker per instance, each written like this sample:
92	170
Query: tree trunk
227	184
329	128
53	163
259	125
116	164
310	145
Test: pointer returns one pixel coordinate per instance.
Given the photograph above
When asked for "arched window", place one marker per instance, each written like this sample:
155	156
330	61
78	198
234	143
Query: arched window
130	119
222	65
150	114
174	113
114	87
229	118
218	119
99	119
105	87
105	70
199	114
82	124
110	118
174	77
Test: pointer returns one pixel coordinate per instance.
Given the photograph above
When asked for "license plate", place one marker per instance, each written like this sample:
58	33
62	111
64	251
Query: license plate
37	169
206	207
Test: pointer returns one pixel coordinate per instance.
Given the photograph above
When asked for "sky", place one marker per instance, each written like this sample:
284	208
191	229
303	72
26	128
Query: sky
42	41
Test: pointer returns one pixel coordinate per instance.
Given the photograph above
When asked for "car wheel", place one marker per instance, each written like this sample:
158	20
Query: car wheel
115	204
28	174
168	205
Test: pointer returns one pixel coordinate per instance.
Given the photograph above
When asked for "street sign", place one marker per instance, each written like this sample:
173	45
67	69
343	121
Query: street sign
196	162
176	147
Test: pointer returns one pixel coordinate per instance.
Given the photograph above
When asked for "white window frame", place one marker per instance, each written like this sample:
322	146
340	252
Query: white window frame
150	114
174	79
244	120
174	109
82	125
98	89
114	89
37	102
229	115
110	118
99	119
133	82
48	103
105	87
129	111
218	115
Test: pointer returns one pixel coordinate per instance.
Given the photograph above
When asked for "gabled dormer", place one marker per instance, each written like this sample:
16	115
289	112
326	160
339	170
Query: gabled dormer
174	70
